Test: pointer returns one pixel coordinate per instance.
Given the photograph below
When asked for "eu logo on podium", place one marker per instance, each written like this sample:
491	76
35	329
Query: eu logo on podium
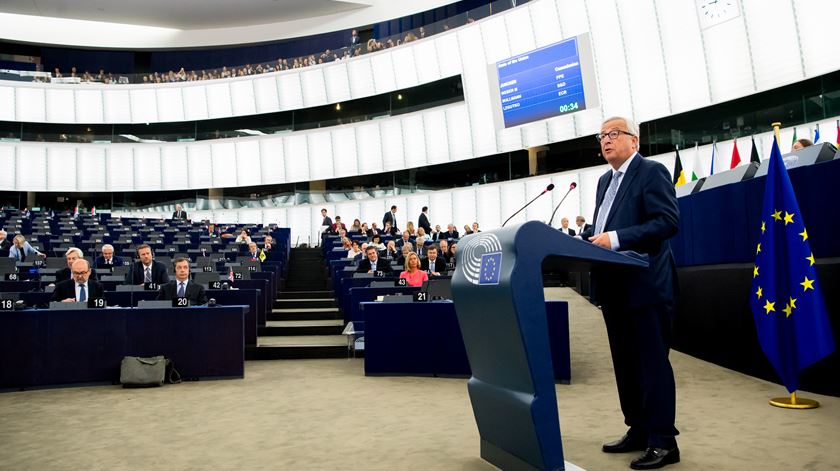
491	264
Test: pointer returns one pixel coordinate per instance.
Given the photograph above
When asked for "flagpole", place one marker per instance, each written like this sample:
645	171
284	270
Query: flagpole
776	127
793	402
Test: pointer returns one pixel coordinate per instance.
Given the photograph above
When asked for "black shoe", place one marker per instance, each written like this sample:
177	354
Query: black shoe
624	444
655	458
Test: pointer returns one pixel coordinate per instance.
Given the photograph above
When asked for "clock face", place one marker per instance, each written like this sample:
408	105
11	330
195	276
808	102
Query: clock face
714	12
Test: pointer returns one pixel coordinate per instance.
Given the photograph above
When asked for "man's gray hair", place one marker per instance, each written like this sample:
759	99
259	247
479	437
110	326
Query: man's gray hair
632	127
75	250
107	246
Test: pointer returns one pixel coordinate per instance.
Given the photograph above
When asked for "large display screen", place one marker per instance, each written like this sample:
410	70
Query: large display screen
550	81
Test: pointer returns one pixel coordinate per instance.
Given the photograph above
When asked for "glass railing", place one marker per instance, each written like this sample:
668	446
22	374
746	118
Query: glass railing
277	65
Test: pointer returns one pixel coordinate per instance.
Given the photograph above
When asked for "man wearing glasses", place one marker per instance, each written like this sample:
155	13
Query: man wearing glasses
636	209
80	288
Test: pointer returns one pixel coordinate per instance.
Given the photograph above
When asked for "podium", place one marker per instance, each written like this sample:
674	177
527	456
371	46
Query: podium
498	293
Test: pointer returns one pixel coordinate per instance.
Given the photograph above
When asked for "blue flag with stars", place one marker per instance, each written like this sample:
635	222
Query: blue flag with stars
491	264
786	299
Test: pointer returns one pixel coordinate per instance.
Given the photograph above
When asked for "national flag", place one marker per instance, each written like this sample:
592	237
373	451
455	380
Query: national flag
93	211
736	157
696	173
793	141
262	256
817	134
714	148
754	152
76	213
679	174
230	275
838	133
786	299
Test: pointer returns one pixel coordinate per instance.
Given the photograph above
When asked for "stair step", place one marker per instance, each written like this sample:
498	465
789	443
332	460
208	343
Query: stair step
304	314
316	327
312	346
304	303
305	294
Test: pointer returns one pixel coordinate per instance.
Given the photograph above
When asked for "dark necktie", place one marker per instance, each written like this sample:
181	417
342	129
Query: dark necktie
181	290
82	294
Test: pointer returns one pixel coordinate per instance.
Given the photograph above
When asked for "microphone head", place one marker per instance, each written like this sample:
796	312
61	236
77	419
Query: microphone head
549	187
573	186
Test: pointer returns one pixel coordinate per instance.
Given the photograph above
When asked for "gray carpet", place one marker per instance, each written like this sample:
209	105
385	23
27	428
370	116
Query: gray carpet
325	414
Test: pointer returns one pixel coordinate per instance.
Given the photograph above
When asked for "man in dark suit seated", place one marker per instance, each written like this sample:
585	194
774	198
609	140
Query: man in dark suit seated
80	288
71	256
5	244
179	212
182	286
636	209
406	238
433	263
582	226
107	258
146	270
372	263
451	233
564	227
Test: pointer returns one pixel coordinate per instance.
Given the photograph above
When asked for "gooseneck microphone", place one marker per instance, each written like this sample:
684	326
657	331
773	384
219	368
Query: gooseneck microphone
571	187
547	189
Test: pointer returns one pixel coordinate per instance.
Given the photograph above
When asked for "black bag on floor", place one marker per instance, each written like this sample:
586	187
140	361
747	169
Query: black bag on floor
138	372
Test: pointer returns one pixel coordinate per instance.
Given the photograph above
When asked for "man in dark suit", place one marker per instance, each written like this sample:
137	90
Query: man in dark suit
326	222
451	233
71	256
423	220
433	263
372	263
179	212
391	217
5	244
146	270
107	259
564	227
636	209
181	286
80	288
582	226
406	238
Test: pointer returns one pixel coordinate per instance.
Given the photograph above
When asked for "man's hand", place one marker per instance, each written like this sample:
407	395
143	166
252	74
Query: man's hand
69	300
601	240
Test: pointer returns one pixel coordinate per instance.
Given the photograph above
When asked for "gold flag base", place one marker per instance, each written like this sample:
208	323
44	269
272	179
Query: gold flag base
794	402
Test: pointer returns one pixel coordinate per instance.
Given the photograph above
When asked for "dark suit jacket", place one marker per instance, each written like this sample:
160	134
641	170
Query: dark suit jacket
135	273
194	292
67	289
179	214
389	217
64	274
4	247
448	235
423	222
586	227
644	215
382	265
100	262
327	222
570	231
439	265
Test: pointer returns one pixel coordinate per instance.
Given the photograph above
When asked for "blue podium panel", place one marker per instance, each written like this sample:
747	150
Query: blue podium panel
498	294
352	311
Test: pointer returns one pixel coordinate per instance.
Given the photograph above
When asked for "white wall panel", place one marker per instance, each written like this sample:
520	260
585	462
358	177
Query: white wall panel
174	167
89	106
360	73
414	140
728	59
371	211
296	155
534	134
519	30
414	206
512	196
561	128
345	161
682	46
393	157
242	97
383	72
616	98
571	206
195	102
7	103
404	67
458	132
120	167
147	164
218	100
509	139
61	168
819	47
546	25
440	208
265	91
476	91
61	106
199	157
774	44
32	168
170	103
464	208
224	164
320	155
426	60
314	88
299	218
448	61
645	64
488	204
271	160
337	82
369	148
143	105
7	163
291	96
30	104
437	140
248	170
495	38
540	210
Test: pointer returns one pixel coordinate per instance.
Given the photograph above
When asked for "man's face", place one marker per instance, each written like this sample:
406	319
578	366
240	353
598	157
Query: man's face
324	212
579	221
81	271
182	271
2	236
617	151
252	247
371	255
444	246
71	257
437	228
432	253
475	226
145	255
565	223
108	253
405	235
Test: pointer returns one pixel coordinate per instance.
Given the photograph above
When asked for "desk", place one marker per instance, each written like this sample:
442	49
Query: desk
425	339
352	311
43	347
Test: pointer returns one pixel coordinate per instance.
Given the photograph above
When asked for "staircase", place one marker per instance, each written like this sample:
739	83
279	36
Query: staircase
305	321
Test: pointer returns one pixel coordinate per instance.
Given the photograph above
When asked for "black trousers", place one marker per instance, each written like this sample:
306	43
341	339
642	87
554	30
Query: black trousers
640	340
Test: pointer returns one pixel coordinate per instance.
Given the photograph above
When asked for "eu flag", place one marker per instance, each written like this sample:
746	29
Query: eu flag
786	299
491	264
